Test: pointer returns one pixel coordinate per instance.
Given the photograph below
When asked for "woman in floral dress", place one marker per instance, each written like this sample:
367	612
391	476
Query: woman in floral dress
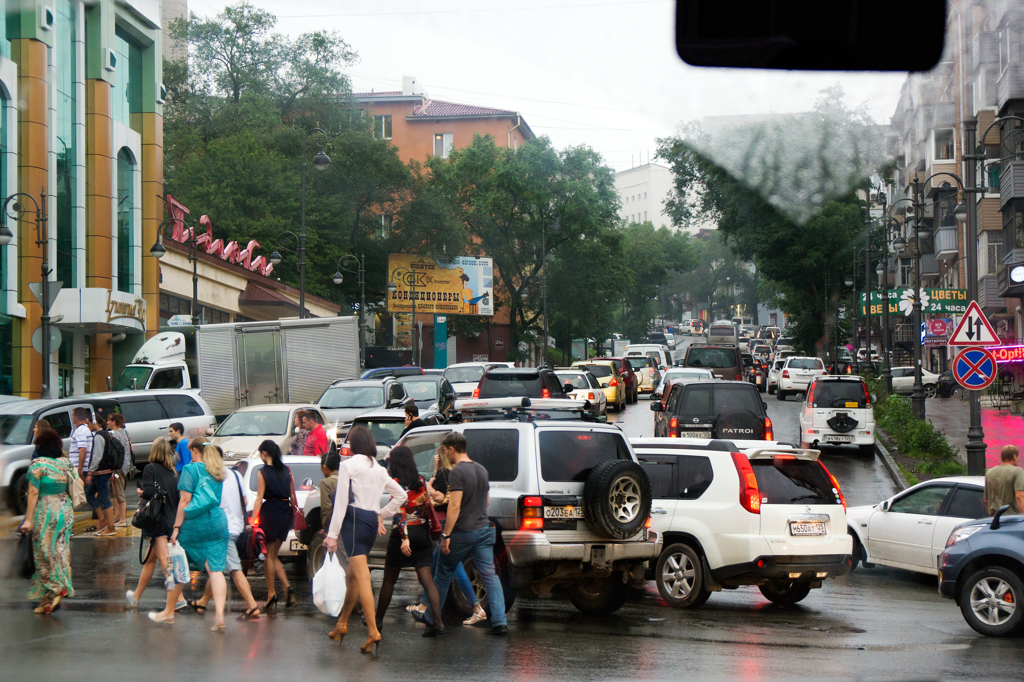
51	517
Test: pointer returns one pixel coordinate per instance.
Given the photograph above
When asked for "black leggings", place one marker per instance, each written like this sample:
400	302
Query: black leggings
388	587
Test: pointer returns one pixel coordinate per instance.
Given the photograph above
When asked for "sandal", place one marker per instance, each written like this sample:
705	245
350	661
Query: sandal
251	614
196	606
415	607
475	618
90	529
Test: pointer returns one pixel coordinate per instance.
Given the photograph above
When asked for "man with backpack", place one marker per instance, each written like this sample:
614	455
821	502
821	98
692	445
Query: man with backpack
107	456
115	425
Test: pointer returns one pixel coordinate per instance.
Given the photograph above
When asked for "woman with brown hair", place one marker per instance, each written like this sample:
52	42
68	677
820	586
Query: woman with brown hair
357	521
159	477
50	515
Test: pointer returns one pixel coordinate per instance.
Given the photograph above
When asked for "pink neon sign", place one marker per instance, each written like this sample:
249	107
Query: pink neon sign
1007	353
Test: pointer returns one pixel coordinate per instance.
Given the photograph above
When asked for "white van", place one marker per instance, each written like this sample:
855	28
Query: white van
723	333
660	353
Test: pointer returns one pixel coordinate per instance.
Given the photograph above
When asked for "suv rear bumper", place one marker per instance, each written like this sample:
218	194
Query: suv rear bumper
786	567
526	548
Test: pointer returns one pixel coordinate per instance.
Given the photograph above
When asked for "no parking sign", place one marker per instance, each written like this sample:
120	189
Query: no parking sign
974	368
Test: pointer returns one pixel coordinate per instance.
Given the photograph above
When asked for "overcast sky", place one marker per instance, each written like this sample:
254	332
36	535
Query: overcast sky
598	72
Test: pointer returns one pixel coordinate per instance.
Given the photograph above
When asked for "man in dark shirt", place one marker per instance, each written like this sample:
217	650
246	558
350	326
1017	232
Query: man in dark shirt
468	532
412	418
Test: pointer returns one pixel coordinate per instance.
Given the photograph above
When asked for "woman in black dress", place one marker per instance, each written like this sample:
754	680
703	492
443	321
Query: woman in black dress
159	475
275	499
410	543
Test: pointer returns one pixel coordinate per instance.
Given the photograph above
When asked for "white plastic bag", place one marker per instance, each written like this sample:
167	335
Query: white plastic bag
329	587
177	564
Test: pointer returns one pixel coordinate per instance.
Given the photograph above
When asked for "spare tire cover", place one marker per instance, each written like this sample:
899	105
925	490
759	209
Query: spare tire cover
617	499
842	423
739	425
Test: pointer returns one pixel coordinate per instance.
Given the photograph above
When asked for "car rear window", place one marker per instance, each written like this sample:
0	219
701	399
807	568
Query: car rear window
385	432
576	379
838	393
793	481
639	363
599	370
306	475
570	455
711	357
740	396
722	331
511	386
806	363
497	450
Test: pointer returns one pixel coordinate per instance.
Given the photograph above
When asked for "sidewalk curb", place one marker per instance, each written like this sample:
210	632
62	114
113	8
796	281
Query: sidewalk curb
890	463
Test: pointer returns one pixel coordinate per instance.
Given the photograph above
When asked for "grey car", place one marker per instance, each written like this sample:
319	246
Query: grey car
345	400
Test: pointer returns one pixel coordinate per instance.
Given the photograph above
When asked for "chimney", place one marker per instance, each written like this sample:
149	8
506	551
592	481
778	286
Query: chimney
411	86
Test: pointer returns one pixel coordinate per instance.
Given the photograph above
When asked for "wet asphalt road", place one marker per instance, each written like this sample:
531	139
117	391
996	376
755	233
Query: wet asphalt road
876	624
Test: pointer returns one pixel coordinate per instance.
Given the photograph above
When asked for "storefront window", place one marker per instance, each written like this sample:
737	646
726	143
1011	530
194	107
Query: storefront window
125	221
6	366
67	169
126	95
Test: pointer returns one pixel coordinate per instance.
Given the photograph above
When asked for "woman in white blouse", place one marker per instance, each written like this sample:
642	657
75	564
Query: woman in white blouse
357	520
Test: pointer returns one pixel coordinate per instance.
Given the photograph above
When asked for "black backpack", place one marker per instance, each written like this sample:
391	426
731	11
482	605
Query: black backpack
113	452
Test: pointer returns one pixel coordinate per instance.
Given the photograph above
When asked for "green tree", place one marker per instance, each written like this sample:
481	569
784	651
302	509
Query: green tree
649	255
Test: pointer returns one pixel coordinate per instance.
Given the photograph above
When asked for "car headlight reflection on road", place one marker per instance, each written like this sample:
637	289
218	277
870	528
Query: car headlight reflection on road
961	534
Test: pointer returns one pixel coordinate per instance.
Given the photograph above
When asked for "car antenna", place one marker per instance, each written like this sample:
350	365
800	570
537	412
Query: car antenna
995	519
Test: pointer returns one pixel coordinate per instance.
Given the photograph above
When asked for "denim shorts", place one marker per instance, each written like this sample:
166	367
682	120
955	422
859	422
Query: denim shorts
98	492
233	563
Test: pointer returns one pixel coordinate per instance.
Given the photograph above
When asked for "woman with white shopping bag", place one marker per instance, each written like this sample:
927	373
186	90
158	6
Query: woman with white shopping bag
357	522
202	528
329	587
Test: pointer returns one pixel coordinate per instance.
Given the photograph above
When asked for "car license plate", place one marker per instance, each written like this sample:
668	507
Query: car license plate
839	439
807	528
758	379
568	512
297	546
696	434
852	405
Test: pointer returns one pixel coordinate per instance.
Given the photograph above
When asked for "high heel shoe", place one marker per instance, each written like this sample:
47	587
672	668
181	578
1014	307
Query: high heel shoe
289	598
270	605
339	632
372	644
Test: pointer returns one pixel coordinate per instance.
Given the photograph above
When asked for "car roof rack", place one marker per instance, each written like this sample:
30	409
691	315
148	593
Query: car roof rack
716	444
521	409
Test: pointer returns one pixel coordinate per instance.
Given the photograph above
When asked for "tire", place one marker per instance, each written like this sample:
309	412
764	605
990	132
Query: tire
867	451
465	605
19	493
617	499
738	425
983	603
316	554
859	555
771	390
599	596
930	391
680	577
780	394
785	592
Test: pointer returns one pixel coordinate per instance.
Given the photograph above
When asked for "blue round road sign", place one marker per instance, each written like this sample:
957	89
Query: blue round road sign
974	368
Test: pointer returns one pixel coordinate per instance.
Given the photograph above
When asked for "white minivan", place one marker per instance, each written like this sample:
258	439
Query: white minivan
661	353
837	411
723	333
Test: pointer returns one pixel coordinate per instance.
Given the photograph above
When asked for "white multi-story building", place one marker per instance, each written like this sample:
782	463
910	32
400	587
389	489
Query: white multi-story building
643	191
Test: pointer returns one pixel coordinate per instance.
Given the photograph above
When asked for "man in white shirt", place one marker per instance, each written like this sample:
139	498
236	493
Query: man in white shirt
233	504
81	440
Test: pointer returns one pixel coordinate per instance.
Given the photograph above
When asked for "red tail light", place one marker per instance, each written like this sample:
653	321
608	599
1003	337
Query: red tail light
849	369
785	374
835	483
613	382
867	396
254	520
647	523
810	393
545	393
769	432
673	424
590	396
476	392
531	511
346	451
750	496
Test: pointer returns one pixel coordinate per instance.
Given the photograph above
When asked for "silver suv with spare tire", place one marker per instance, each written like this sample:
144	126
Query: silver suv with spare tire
569	499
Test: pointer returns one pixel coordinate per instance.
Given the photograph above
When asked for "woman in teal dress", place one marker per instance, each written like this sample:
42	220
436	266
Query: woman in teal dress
51	516
202	529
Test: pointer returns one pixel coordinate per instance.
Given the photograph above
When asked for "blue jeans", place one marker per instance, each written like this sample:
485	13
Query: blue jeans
461	579
477	545
97	493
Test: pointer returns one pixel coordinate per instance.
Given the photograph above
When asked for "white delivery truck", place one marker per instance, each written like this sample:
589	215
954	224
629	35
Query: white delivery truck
249	363
619	347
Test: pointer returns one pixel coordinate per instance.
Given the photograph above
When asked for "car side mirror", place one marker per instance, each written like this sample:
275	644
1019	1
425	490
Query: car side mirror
657	407
209	431
885	505
764	405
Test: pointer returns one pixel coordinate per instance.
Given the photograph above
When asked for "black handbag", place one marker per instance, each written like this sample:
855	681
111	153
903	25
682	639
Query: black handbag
24	557
150	512
251	541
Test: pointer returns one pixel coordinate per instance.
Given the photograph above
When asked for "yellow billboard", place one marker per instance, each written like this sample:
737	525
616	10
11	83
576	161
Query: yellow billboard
461	286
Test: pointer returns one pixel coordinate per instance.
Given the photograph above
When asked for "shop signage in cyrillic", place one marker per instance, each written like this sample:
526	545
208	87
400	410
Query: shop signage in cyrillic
901	301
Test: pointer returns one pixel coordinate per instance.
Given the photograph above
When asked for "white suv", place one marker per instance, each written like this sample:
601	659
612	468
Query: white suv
797	374
837	411
734	513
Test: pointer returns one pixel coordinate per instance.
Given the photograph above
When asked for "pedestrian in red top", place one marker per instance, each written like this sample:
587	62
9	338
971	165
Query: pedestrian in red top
316	442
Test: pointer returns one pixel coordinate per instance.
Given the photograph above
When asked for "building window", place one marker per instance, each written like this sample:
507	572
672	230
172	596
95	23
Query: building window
386	222
645	216
125	221
943	147
442	144
993	177
171	305
382	126
126	95
995	251
906	271
65	55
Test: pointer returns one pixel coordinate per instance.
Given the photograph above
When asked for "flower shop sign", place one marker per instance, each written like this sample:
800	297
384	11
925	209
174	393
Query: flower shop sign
901	302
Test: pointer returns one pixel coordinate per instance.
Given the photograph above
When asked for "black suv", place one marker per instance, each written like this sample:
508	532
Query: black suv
713	409
525	382
724	360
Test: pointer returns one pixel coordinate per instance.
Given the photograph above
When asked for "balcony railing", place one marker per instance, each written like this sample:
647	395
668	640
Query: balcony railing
988	295
929	266
1010	85
1014	256
1011	182
946	243
985	50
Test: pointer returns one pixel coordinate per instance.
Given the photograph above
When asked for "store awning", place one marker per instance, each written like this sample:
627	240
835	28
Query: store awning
99	311
256	296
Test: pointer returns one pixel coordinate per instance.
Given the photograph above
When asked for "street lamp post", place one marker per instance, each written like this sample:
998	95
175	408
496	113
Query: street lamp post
14	202
410	277
158	251
345	263
834	345
320	162
917	397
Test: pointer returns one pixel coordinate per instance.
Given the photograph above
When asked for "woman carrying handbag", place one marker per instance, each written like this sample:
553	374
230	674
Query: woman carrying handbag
159	482
275	508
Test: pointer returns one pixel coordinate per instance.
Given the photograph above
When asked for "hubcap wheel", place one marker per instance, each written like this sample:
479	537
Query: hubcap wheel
678	576
929	391
992	601
625	499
